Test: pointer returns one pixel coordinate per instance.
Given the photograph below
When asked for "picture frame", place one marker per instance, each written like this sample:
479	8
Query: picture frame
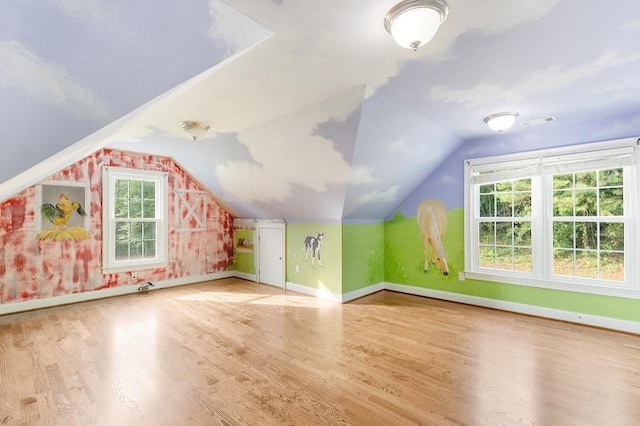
50	191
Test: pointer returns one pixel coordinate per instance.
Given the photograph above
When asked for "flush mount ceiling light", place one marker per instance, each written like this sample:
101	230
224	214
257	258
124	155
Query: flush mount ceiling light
413	23
501	121
195	129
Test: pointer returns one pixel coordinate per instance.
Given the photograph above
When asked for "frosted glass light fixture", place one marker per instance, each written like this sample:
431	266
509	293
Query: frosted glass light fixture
501	121
195	129
413	23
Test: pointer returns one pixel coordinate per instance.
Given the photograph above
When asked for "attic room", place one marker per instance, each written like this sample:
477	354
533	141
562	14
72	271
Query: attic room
301	212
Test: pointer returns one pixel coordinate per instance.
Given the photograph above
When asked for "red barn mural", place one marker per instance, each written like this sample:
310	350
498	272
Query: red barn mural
34	269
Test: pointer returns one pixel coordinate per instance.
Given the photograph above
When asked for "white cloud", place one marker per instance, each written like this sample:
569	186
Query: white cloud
549	80
631	25
286	152
246	182
20	68
397	145
93	12
376	196
447	179
233	29
361	175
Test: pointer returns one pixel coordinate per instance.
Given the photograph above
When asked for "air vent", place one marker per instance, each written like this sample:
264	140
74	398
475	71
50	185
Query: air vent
538	121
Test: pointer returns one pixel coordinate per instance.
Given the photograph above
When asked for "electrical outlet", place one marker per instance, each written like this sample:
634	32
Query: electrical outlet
297	269
461	276
134	275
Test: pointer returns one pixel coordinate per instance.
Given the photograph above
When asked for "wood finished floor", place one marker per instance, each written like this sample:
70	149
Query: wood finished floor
231	352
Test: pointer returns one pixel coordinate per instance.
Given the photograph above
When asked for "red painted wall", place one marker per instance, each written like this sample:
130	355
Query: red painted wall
35	269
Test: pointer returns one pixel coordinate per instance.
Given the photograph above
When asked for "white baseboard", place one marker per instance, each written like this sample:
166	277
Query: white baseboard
30	305
356	294
575	317
320	294
244	275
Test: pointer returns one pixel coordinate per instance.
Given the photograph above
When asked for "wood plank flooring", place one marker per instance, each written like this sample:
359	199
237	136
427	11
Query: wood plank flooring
232	352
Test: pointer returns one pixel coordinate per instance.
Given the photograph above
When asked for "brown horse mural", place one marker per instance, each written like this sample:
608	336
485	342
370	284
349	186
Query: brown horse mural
432	221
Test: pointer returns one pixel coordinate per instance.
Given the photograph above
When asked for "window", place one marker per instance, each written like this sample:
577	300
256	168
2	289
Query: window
561	218
134	225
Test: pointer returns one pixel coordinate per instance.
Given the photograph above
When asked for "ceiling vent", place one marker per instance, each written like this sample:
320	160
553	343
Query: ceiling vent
538	121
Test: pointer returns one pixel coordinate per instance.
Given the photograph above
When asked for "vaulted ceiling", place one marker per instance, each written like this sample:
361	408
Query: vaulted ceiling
315	113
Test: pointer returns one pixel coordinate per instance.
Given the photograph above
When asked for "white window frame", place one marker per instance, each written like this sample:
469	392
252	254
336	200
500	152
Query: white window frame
109	176
538	165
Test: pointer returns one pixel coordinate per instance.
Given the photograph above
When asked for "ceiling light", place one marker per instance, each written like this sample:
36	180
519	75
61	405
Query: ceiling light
195	129
413	23
501	121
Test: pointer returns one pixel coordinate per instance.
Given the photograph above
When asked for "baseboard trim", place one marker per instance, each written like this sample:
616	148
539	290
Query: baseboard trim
67	299
317	293
521	308
361	292
244	276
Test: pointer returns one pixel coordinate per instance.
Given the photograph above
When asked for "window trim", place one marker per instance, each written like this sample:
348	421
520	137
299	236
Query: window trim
541	276
109	176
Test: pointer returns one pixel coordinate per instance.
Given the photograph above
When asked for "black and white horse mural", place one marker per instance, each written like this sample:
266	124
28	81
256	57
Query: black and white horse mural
312	246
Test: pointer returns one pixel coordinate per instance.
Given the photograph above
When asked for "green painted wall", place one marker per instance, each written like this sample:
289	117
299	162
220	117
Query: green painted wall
403	260
326	276
244	254
362	255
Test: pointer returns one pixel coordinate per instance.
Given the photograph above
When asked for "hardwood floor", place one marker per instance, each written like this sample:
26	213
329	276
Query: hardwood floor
231	352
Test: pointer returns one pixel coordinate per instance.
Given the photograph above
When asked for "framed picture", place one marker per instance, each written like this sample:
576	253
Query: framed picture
68	200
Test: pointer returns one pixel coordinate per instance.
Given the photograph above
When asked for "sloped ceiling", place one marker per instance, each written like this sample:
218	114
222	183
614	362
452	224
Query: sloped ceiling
315	113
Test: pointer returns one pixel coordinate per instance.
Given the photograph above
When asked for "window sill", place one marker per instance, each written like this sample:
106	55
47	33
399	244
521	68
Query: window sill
595	288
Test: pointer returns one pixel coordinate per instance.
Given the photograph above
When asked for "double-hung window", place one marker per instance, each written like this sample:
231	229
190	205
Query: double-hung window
134	219
562	218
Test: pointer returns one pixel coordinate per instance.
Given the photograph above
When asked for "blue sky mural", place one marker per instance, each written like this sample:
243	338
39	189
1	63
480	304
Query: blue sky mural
315	113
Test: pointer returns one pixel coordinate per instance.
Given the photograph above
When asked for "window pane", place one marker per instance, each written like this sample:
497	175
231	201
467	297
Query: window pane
563	181
122	251
149	229
587	264
612	236
522	259
122	188
122	231
135	250
612	266
505	186
586	180
135	189
148	190
122	208
522	234
136	231
149	249
563	235
586	202
563	262
586	235
522	204
149	209
487	256
522	185
503	204
504	234
486	206
504	258
135	208
611	202
611	177
562	203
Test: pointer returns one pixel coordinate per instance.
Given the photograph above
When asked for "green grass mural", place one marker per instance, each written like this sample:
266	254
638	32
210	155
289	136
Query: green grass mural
362	255
404	264
325	274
